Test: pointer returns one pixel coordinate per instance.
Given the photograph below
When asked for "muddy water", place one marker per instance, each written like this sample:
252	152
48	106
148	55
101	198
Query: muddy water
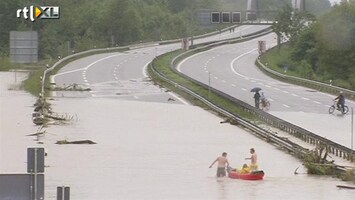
162	151
150	151
15	123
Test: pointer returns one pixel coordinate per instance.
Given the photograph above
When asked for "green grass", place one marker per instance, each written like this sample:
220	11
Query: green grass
32	84
277	58
162	64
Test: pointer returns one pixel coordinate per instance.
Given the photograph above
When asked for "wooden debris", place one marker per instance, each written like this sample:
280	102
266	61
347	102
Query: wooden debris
346	187
75	142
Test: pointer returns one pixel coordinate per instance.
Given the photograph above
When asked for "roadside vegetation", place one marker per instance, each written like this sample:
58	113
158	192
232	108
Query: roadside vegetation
322	49
162	65
92	24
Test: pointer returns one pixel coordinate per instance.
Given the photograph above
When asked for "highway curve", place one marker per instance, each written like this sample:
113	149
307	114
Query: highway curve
231	69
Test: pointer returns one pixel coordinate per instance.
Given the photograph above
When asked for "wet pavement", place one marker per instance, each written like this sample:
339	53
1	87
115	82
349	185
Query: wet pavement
148	150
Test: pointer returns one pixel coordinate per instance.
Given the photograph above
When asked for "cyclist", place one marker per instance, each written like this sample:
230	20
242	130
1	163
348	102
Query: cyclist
263	99
341	101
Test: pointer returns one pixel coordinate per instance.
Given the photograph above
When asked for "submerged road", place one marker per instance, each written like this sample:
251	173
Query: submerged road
231	69
157	150
123	75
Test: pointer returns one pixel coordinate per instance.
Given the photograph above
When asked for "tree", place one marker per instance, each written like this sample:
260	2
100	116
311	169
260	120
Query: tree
335	33
290	23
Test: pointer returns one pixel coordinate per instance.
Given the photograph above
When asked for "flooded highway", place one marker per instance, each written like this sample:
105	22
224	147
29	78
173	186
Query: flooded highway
148	150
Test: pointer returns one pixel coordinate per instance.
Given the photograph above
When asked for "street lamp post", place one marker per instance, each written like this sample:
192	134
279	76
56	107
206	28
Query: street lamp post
352	128
209	84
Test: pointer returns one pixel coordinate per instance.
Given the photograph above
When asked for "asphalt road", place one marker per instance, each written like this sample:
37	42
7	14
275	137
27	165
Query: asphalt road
231	69
123	75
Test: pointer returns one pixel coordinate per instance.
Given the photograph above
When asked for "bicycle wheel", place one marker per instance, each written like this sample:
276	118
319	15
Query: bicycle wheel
331	109
267	105
346	110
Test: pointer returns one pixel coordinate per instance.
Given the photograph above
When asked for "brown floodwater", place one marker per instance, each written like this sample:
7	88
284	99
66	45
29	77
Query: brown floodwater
148	150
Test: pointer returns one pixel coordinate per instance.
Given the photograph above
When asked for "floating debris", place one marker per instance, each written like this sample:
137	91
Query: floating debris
71	87
346	187
75	142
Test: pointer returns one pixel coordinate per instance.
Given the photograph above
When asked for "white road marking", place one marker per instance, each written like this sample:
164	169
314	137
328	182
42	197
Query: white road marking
180	99
233	85
145	70
304	98
237	58
285	92
276	88
135	97
317	102
87	67
244	89
268	86
215	77
223	81
180	64
295	95
270	99
285	105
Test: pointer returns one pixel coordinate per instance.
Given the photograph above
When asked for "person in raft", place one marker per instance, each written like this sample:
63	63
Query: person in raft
222	162
245	169
254	160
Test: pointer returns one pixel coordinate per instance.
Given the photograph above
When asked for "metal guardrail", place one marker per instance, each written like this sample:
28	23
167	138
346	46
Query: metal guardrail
113	49
305	82
307	136
296	131
260	132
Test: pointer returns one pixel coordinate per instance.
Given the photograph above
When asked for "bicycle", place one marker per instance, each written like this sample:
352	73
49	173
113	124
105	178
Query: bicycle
265	104
334	107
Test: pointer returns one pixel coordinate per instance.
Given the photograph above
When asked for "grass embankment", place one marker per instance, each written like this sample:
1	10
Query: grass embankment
280	60
36	70
162	65
276	59
33	83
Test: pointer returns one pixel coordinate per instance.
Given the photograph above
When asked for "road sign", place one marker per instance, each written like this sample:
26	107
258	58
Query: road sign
21	186
236	17
215	17
63	193
35	160
226	17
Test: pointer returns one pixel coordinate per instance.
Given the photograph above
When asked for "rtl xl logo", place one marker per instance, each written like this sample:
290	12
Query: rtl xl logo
43	12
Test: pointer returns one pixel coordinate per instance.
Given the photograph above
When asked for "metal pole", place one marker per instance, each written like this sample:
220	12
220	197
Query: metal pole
35	174
352	128
68	48
209	84
63	193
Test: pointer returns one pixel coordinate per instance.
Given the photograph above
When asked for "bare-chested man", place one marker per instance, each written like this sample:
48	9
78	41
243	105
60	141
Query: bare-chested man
254	160
222	161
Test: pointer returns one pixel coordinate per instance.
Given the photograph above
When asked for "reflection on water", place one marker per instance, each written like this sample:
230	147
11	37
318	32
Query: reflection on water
152	151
